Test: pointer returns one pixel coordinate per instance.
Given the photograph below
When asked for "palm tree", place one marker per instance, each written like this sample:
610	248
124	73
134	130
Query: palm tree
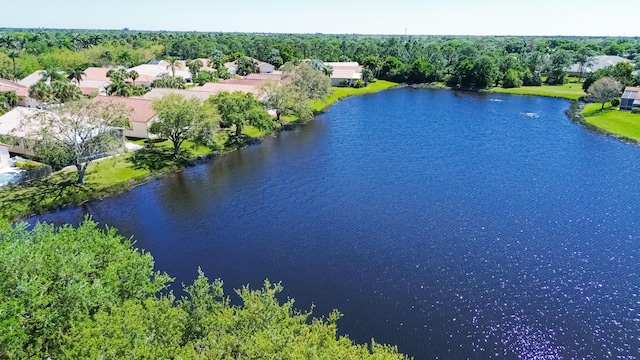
51	74
119	88
13	54
174	64
120	74
41	92
75	74
133	75
64	91
194	67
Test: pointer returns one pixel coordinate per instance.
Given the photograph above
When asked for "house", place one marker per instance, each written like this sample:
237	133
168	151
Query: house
21	91
265	68
31	79
630	98
9	125
275	76
596	63
142	115
157	69
214	88
349	71
157	93
94	87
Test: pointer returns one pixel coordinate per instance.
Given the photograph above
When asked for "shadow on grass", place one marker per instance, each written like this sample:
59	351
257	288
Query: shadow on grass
41	195
599	111
243	140
158	158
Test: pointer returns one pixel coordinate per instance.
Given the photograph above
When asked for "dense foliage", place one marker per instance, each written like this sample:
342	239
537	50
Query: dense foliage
459	61
86	293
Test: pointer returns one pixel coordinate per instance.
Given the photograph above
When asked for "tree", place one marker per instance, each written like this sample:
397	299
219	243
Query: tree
584	58
194	67
41	92
274	58
53	277
51	74
216	59
181	119
119	88
246	66
313	83
87	293
286	99
13	54
169	82
118	75
204	77
367	75
64	91
560	60
133	75
173	64
511	79
8	100
604	90
420	72
75	74
237	109
77	132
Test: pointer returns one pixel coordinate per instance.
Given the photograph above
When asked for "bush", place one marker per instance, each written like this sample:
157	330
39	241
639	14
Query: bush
359	84
615	102
635	111
344	82
29	165
511	79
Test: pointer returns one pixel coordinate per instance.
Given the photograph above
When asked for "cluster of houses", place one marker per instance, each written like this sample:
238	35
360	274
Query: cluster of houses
95	82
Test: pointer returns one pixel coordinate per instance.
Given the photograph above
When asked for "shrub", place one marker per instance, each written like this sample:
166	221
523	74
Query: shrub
511	79
344	82
615	102
29	165
359	84
635	111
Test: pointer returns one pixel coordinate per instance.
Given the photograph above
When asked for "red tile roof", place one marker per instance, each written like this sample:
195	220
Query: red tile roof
142	109
10	86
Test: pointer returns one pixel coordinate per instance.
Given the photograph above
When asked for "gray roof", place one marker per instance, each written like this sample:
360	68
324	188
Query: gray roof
597	63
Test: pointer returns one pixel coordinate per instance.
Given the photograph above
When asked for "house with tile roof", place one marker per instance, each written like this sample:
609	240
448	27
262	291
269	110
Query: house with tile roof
142	114
21	91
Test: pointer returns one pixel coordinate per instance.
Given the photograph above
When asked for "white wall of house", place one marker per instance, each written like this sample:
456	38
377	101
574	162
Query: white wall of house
139	130
21	146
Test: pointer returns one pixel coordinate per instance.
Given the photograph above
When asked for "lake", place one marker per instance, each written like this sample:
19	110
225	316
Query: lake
455	225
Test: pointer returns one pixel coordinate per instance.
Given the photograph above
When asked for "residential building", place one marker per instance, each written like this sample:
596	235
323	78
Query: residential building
349	71
596	63
5	158
265	68
275	76
157	69
157	93
214	88
142	115
630	98
21	91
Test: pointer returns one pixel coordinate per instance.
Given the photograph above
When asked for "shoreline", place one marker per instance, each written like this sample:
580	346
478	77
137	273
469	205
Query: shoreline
90	192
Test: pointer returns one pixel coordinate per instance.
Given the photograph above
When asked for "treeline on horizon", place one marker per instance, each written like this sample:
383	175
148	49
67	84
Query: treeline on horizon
464	62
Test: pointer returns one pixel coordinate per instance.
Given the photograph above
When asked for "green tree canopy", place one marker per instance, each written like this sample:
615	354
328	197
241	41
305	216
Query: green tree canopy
238	109
181	119
86	293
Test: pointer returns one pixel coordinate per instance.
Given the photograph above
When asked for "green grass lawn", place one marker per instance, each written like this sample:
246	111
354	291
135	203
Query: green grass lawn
120	173
613	120
343	92
572	91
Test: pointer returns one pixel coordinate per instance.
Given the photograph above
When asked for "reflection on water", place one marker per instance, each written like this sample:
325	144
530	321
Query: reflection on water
448	223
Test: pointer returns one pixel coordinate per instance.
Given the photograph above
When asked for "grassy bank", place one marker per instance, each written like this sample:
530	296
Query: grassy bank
571	91
123	172
343	92
612	120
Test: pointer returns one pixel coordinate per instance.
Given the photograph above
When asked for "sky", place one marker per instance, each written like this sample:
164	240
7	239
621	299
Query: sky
415	17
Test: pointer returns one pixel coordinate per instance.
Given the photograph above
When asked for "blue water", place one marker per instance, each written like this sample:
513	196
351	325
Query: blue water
454	225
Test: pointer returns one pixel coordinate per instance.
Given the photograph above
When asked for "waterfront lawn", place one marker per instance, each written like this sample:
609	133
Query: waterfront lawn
611	119
343	92
572	91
